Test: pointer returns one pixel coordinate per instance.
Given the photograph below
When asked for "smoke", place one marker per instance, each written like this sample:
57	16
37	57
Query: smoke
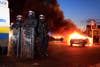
54	15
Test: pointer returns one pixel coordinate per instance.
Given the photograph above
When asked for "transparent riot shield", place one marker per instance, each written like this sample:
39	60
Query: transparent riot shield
14	37
19	41
27	49
23	42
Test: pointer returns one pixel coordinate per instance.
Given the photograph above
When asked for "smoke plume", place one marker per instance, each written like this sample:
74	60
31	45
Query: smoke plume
54	15
50	8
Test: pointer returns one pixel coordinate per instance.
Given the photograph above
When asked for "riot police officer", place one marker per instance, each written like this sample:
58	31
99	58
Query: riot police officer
43	37
31	21
18	23
17	28
30	27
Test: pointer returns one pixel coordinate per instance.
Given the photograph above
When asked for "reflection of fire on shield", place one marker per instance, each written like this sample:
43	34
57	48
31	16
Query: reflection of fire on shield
28	43
22	40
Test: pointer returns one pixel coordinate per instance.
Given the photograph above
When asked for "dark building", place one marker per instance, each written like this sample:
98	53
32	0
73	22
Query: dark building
96	32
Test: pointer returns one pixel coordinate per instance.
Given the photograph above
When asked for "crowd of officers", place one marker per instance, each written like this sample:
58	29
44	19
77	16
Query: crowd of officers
39	36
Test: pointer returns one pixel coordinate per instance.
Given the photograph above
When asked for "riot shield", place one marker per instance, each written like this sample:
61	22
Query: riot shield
22	41
27	49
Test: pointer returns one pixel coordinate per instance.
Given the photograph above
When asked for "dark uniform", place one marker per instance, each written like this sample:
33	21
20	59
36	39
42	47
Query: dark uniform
43	37
31	32
31	21
17	25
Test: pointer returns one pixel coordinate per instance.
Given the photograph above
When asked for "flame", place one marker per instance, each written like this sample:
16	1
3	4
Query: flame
57	37
77	35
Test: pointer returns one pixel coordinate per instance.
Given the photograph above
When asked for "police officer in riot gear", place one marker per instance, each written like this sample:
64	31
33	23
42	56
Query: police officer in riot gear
30	27
43	37
17	27
31	20
18	22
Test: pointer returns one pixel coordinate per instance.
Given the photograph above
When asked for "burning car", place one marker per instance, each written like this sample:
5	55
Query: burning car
79	42
78	39
55	38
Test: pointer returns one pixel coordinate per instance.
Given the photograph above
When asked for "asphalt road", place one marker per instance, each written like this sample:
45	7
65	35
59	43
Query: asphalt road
60	55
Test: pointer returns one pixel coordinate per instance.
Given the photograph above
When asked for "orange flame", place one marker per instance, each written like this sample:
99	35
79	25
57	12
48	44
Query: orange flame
76	35
57	37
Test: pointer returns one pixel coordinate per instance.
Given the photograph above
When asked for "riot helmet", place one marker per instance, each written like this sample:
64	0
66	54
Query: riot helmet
41	17
19	17
30	12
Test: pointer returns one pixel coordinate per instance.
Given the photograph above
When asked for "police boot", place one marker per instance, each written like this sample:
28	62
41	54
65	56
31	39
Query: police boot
40	52
45	52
